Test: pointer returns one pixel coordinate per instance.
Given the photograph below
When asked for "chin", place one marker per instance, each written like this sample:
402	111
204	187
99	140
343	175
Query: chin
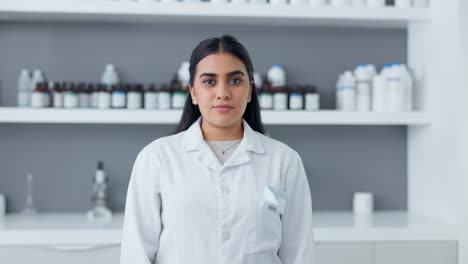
223	120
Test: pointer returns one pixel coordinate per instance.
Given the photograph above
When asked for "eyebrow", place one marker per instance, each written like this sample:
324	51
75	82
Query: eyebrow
215	75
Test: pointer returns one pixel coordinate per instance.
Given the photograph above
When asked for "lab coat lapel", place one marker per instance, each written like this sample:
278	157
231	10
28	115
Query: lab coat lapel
193	140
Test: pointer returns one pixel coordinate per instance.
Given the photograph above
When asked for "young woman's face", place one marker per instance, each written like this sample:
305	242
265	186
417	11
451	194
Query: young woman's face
221	89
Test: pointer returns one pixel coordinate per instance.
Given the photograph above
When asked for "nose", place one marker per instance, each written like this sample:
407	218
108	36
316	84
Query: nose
223	93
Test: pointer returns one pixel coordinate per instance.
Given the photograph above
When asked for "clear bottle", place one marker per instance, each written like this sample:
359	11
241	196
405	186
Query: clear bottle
30	208
151	97
135	97
24	89
71	99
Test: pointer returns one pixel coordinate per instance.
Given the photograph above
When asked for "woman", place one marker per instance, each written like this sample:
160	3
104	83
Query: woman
218	190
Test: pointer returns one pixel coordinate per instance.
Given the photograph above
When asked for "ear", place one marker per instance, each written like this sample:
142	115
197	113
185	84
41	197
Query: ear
193	95
250	91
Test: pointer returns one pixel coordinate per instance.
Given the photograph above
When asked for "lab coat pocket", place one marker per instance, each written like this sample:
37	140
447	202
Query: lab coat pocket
264	231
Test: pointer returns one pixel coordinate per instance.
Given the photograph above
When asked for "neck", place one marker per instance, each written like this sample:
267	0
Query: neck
214	133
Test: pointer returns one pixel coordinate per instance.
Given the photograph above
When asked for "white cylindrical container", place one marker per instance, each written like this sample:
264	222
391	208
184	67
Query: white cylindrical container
178	99
296	101
151	100
363	203
346	92
363	88
299	2
266	100
164	100
396	89
134	100
340	3
278	2
403	3
24	89
317	2
312	100
104	100
421	3
379	94
276	76
239	2
358	3
375	3
280	101
2	205
409	83
37	99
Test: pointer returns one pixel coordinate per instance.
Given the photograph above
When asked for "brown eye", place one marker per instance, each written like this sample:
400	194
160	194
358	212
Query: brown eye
235	81
208	82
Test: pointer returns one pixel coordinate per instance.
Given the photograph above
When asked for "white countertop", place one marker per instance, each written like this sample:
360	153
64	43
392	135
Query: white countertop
74	229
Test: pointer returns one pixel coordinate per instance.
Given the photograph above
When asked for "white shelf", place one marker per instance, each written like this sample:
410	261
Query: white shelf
73	228
118	116
205	12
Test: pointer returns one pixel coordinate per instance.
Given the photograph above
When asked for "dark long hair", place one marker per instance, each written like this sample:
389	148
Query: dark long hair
207	47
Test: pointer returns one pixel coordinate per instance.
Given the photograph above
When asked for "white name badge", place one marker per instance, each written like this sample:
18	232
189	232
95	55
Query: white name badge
274	199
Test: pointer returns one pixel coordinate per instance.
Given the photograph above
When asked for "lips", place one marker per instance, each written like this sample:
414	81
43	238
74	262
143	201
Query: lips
222	107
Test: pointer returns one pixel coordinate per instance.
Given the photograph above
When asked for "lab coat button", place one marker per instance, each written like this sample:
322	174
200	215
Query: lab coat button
225	235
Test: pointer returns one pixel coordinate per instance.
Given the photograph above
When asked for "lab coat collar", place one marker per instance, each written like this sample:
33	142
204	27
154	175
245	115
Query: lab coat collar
193	140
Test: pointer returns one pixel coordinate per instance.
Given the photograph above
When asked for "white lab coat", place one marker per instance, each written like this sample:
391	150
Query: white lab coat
184	207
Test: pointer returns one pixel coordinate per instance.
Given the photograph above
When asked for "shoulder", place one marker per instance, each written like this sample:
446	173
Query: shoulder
276	147
162	145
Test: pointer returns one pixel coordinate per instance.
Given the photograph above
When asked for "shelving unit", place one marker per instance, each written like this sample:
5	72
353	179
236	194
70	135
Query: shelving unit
340	226
152	11
116	116
436	171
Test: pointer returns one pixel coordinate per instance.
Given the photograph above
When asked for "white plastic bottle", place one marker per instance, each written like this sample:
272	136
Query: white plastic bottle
403	3
299	2
363	88
24	89
110	76
340	3
379	93
409	86
396	88
421	3
183	74
37	77
358	3
375	3
346	92
317	2
278	2
276	76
